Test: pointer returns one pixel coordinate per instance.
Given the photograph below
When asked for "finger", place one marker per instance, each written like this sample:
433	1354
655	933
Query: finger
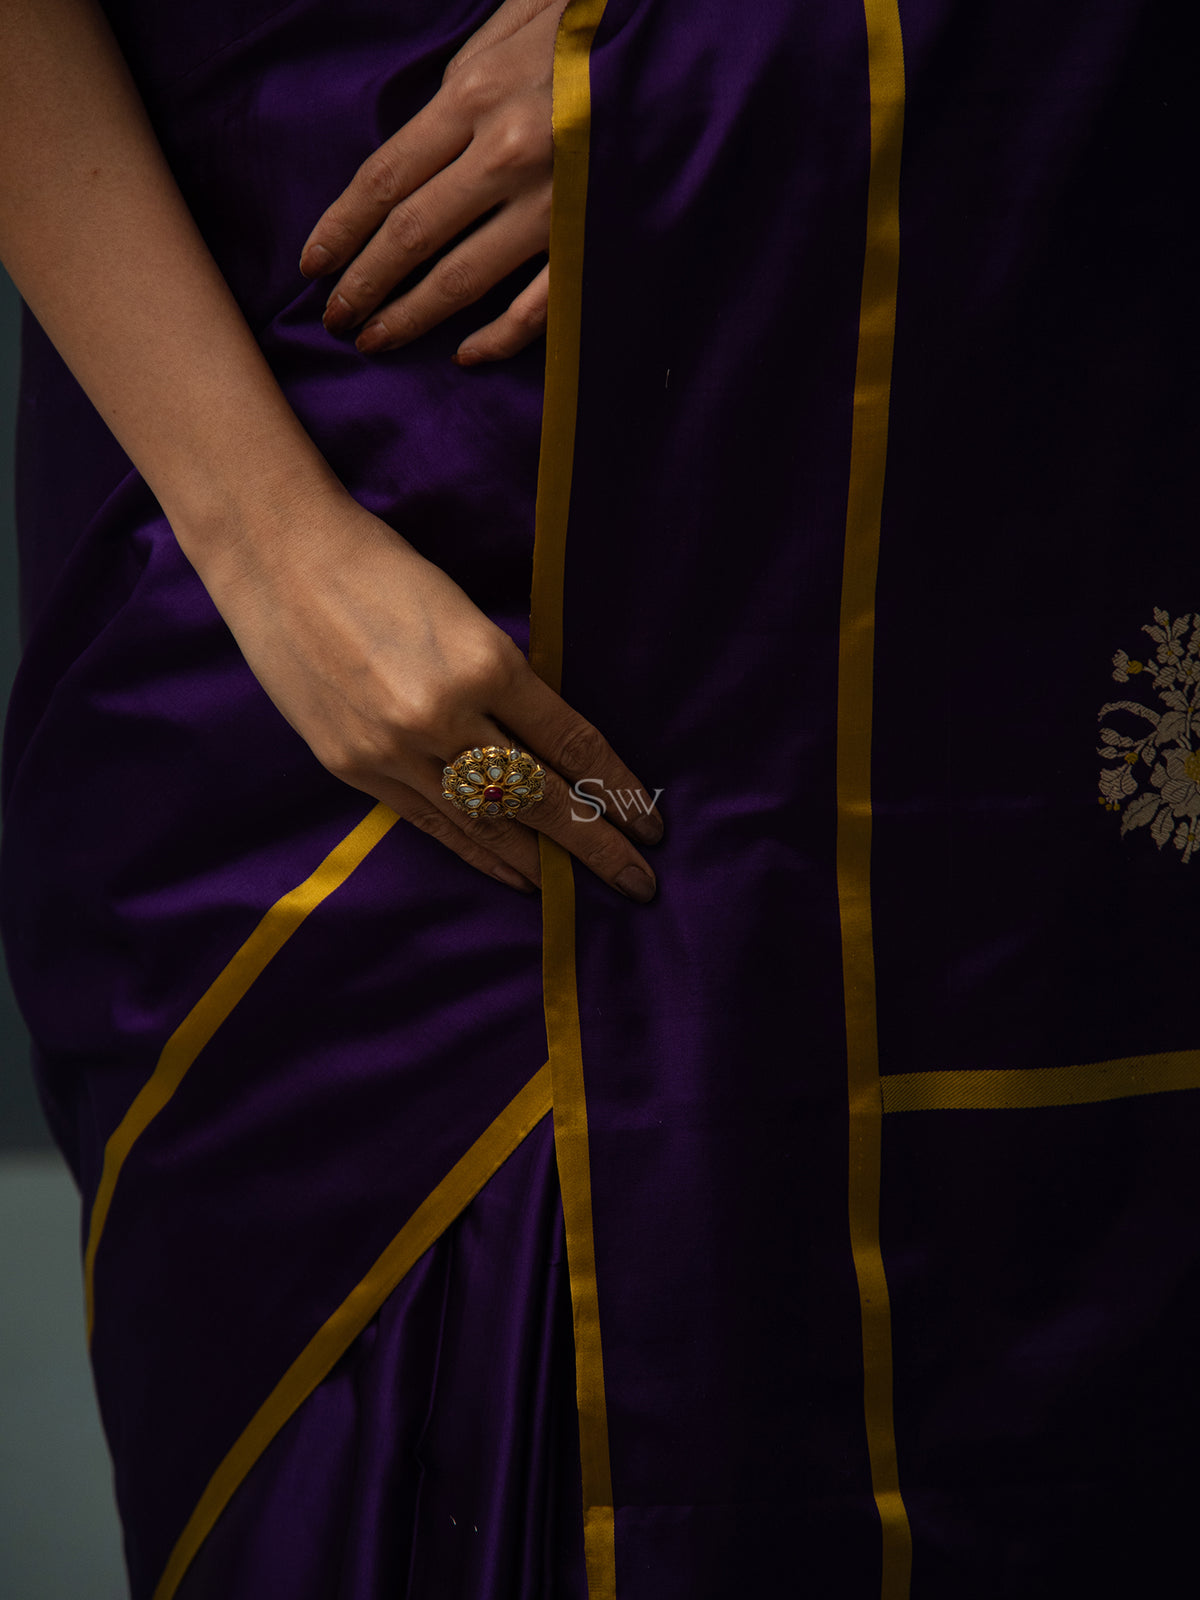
502	836
410	233
460	278
520	325
591	839
576	820
439	822
433	139
599	846
579	752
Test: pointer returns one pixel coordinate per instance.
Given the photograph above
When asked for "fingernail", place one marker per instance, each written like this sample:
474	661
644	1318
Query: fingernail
373	337
466	357
635	882
315	260
513	879
337	314
646	830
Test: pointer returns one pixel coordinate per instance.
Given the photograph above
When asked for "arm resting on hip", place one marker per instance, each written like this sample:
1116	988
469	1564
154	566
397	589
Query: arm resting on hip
381	663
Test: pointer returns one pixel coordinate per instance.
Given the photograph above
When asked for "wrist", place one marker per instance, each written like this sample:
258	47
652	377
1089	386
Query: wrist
233	531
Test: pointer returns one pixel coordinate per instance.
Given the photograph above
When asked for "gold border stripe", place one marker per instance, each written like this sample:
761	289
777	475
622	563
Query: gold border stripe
856	673
572	120
575	1180
1039	1087
335	1336
211	1010
572	124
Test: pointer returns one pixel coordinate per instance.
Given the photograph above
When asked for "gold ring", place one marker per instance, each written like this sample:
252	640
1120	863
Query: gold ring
491	782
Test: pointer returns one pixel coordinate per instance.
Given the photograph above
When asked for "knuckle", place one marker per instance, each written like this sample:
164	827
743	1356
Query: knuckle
336	233
342	759
581	751
380	179
438	825
373	744
401	322
527	314
473	85
485	664
489	834
457	281
359	288
507	661
377	747
423	717
519	142
407	231
429	820
608	856
433	715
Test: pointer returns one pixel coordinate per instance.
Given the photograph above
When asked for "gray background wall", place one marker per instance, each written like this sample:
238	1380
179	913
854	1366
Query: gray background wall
22	1126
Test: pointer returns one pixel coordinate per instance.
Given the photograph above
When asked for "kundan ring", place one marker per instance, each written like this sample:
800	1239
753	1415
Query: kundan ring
491	782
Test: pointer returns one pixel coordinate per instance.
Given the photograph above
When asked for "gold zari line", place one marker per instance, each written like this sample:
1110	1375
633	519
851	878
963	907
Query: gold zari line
210	1011
335	1336
856	673
575	1181
572	120
572	133
1026	1088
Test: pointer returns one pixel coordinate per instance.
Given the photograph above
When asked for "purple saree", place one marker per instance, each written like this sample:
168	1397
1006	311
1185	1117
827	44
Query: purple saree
876	1267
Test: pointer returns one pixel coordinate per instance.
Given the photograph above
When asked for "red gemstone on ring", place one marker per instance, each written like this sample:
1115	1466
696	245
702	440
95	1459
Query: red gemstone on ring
493	792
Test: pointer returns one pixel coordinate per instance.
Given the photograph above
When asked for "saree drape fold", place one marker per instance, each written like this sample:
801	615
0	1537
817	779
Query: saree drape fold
868	466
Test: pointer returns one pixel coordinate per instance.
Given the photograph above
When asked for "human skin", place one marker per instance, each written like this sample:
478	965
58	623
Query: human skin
483	144
380	662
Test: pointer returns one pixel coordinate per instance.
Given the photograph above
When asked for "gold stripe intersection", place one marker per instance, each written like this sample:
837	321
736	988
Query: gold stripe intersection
572	123
856	672
335	1336
1032	1087
210	1011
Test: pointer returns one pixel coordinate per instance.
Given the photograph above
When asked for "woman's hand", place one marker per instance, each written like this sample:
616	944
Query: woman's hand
375	656
482	145
388	672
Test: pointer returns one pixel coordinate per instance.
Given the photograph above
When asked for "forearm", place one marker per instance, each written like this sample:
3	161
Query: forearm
98	240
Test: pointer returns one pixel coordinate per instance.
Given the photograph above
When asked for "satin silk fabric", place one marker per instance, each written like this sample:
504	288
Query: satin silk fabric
158	805
415	1468
1040	1264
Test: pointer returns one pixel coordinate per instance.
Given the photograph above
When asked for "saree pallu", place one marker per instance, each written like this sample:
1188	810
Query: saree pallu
831	1225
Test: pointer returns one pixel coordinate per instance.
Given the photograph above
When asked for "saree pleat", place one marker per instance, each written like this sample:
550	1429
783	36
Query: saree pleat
431	1461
